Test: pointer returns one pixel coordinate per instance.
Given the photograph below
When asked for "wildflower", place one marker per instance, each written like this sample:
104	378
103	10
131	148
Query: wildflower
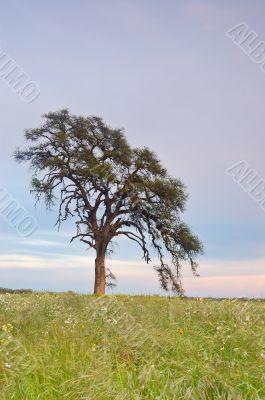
7	328
5	341
7	365
112	321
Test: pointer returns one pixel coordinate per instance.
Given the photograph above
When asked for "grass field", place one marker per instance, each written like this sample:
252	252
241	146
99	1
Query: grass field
67	346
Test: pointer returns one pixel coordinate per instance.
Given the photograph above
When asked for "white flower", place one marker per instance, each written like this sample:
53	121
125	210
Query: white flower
7	365
112	321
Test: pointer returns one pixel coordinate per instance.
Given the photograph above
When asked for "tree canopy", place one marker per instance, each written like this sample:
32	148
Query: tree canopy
110	189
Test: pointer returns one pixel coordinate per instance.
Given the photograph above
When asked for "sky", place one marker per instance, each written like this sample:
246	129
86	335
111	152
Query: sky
166	72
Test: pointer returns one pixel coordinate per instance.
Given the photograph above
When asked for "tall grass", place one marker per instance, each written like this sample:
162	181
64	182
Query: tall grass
67	346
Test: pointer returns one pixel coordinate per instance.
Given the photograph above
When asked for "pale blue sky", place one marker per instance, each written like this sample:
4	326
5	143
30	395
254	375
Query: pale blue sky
168	74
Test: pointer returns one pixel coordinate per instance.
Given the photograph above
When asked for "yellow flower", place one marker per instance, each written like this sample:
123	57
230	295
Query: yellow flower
7	328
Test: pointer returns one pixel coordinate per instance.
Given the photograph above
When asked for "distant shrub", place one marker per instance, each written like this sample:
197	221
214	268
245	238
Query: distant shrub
13	291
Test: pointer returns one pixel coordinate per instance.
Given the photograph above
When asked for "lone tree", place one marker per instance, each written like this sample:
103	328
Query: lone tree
111	190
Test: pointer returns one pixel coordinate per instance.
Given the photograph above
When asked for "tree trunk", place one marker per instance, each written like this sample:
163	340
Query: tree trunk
100	274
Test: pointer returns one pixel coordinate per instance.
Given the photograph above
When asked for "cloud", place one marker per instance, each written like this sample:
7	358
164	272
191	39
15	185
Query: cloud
70	272
227	286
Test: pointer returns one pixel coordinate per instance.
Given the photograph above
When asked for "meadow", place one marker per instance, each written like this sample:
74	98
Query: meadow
71	346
